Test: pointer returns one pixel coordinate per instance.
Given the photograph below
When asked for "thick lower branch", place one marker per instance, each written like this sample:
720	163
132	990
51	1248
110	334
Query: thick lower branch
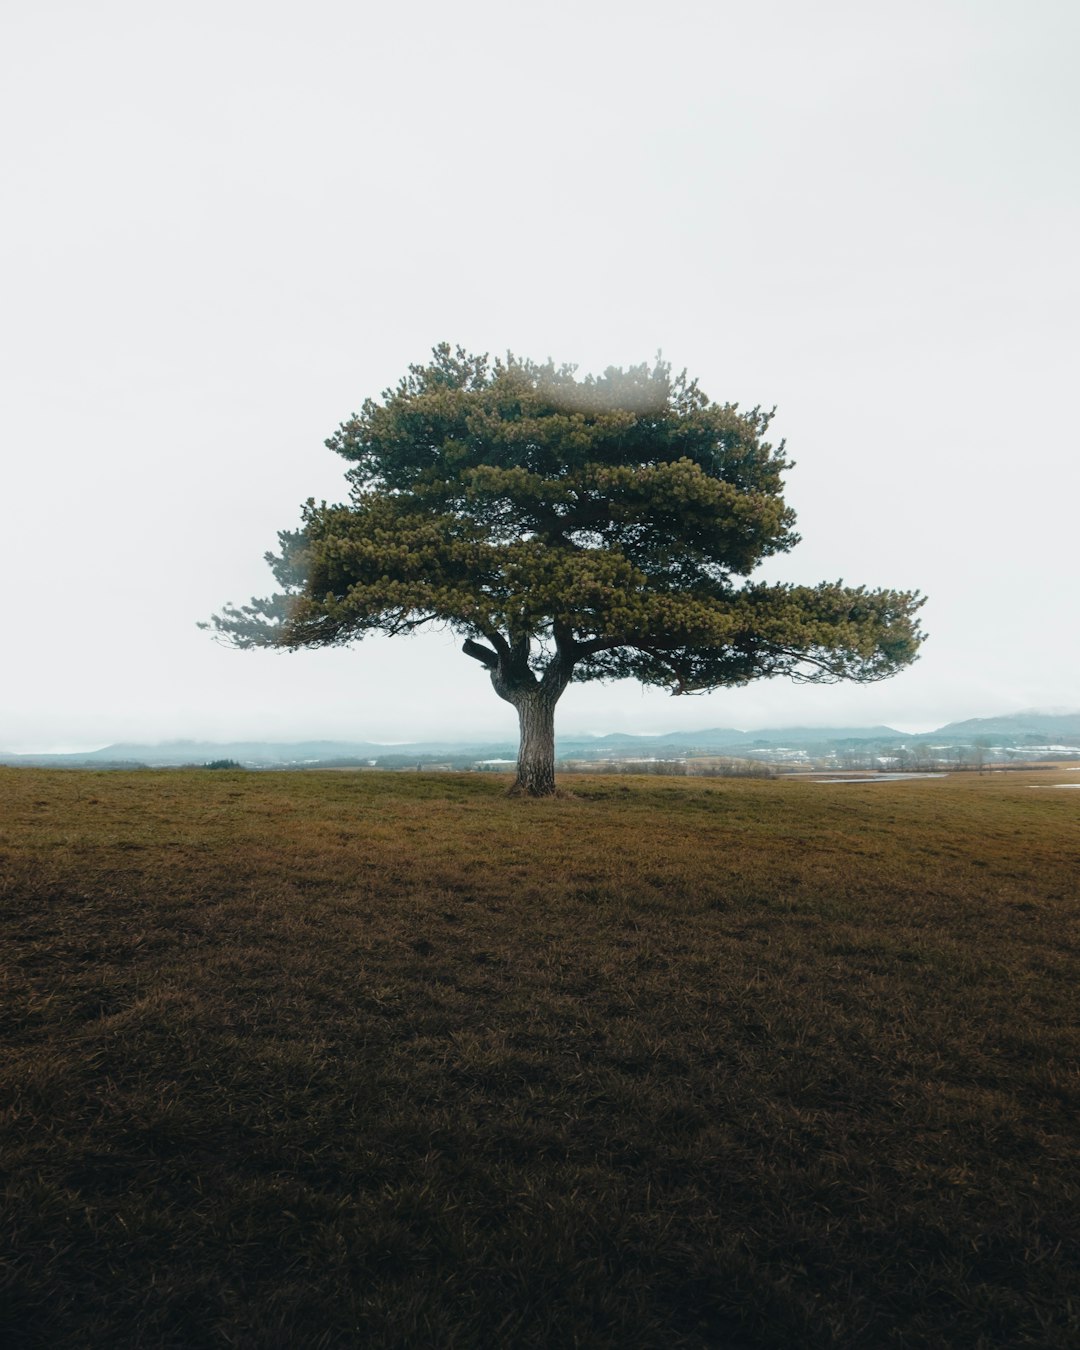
480	653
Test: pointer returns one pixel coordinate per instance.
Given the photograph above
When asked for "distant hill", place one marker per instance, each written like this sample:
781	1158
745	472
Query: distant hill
802	736
248	752
1045	726
298	754
1016	729
263	754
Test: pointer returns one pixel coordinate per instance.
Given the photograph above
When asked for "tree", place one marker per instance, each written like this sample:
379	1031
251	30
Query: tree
568	529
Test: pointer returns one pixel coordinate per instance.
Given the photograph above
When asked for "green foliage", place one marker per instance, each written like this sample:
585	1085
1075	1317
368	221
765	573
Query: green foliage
606	525
223	764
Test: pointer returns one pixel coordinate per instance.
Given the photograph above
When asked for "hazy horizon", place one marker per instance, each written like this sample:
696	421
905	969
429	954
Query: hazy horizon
510	735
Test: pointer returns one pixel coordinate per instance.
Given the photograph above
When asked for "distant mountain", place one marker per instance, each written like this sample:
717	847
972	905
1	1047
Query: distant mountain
629	737
247	752
1046	726
624	742
802	736
262	754
721	740
297	754
1017	729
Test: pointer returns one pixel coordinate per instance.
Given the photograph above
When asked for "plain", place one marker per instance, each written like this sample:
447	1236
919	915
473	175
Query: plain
336	1060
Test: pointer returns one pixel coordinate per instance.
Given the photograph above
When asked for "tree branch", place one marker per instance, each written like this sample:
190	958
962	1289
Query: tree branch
499	643
519	651
665	660
404	624
599	645
479	652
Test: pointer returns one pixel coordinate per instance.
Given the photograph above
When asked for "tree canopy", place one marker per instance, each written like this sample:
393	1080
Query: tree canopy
568	529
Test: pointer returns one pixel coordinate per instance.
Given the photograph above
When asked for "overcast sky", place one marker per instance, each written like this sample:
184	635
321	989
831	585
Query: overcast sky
226	224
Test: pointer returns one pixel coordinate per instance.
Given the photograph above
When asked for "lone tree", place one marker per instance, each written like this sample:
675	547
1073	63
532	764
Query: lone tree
567	529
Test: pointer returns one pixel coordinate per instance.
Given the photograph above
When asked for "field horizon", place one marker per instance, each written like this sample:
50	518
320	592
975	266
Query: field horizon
1015	729
335	1060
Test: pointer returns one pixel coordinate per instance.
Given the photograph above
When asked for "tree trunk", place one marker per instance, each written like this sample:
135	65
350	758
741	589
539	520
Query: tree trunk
535	699
536	752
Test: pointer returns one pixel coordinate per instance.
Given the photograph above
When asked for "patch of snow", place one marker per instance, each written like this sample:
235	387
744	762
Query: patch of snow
892	778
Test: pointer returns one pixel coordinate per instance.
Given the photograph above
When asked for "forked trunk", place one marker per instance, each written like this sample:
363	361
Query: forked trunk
535	700
536	752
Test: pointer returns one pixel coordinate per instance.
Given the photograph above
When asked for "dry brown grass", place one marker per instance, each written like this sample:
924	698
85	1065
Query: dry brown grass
389	1060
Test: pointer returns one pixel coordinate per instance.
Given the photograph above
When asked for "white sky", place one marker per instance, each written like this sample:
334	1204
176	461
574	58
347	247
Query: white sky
225	224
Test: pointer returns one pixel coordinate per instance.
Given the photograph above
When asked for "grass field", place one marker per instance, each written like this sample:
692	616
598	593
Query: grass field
373	1060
